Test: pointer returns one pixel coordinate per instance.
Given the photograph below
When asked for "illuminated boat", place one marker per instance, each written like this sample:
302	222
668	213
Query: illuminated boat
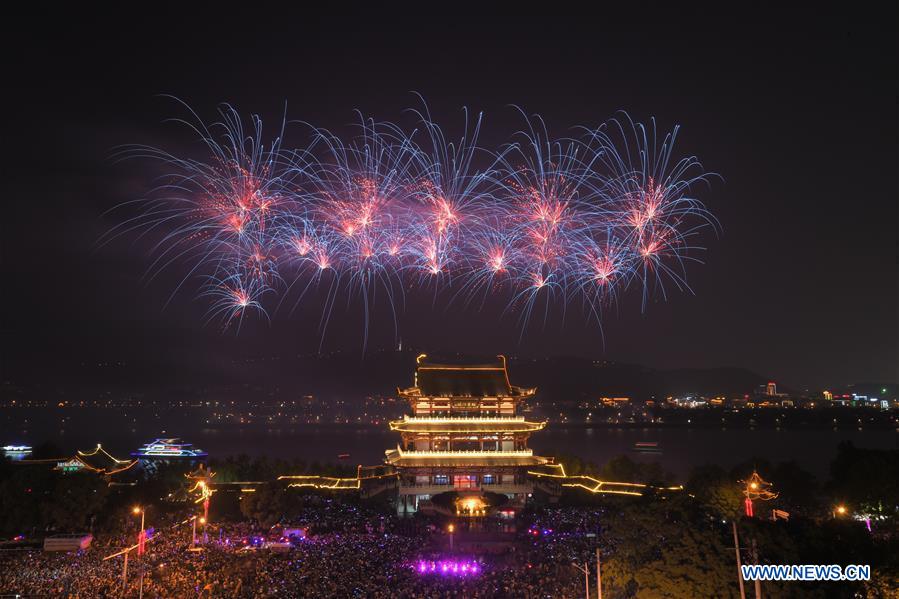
647	447
16	452
168	448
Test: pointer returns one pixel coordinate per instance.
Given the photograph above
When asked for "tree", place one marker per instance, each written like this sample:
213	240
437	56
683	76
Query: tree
798	489
666	549
74	498
716	490
22	488
624	469
573	465
267	505
868	479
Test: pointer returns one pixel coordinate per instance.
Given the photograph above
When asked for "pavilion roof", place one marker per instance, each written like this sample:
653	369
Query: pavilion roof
96	460
102	461
464	380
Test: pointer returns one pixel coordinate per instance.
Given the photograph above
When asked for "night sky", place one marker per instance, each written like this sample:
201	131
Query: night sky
797	112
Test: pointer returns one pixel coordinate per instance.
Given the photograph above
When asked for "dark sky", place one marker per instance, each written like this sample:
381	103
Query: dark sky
797	112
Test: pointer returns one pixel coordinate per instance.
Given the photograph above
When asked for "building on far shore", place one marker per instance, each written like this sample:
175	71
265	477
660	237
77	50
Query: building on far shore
97	461
464	447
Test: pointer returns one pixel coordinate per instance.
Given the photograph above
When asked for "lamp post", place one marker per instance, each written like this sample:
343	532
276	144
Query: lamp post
586	570
125	574
451	529
141	541
739	564
193	529
598	577
205	493
139	510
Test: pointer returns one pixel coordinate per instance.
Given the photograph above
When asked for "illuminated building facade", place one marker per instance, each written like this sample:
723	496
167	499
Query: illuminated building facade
97	461
464	434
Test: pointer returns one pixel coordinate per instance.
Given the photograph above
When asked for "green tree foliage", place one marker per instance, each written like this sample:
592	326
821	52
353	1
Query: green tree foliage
722	494
574	465
716	490
21	492
868	480
39	498
799	491
163	478
667	548
804	541
267	506
245	468
74	499
624	469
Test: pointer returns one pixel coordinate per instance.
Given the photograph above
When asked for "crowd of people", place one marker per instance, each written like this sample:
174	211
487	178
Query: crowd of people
347	551
571	533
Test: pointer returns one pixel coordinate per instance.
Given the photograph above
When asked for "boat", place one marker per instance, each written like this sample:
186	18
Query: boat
168	448
647	447
343	456
16	452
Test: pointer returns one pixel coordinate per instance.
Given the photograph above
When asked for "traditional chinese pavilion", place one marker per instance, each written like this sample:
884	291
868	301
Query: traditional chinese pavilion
464	434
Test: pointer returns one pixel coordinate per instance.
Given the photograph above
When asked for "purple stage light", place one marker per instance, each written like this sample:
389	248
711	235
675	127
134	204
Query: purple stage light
449	567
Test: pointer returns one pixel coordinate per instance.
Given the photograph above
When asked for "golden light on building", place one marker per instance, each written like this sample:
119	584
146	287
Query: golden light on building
594	485
464	435
471	507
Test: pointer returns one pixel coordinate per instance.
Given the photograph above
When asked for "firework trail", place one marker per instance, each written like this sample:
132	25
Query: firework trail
388	216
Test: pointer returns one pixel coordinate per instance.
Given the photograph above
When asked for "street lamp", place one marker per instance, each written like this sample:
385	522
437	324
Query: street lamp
451	529
139	510
141	541
141	538
193	535
840	510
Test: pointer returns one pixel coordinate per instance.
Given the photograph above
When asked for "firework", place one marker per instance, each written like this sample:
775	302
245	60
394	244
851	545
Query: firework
389	213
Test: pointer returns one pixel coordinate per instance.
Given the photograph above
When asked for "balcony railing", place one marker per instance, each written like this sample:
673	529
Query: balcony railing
407	418
435	489
465	453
